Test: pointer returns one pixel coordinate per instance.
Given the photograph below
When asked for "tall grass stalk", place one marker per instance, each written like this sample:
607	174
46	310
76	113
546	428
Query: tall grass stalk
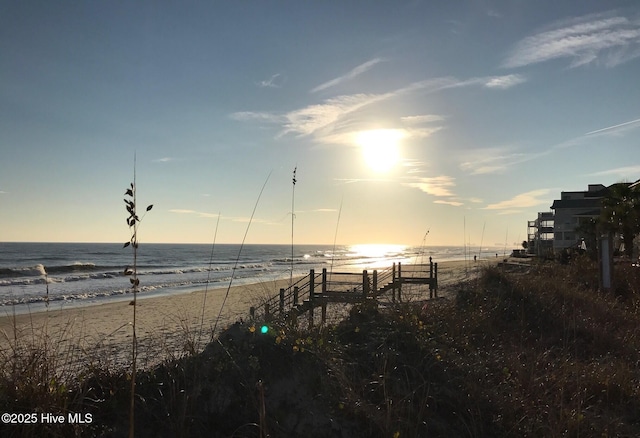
481	240
206	288
133	221
464	241
293	216
421	250
335	238
235	266
506	238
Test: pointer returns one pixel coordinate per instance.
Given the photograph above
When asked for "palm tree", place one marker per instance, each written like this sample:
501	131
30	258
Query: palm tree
621	213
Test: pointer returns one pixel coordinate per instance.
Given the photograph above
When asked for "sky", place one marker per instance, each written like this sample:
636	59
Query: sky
407	122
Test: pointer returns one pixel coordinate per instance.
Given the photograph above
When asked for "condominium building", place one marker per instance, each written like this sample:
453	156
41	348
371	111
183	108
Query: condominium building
570	210
541	234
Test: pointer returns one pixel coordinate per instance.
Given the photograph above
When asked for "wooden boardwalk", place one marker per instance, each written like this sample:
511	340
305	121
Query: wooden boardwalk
319	289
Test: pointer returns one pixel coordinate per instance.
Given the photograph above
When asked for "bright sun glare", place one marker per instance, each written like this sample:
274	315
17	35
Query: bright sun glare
376	250
380	148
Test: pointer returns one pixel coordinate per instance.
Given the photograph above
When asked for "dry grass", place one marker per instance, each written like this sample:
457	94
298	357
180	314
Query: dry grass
537	354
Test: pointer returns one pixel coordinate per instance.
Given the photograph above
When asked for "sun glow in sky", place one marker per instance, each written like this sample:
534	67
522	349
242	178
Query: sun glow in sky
380	148
462	118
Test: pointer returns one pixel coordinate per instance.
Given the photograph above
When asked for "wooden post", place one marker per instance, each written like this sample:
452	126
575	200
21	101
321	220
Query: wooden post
267	317
375	283
431	279
252	312
435	273
312	285
324	312
281	300
365	284
324	280
295	295
393	282
605	261
400	281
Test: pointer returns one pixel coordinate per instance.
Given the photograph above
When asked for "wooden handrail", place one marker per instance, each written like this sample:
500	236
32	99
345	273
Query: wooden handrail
369	284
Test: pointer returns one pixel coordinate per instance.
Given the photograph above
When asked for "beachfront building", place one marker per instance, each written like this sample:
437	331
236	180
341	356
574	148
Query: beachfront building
540	234
571	210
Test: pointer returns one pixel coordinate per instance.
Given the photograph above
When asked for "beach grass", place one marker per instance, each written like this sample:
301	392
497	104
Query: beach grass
539	352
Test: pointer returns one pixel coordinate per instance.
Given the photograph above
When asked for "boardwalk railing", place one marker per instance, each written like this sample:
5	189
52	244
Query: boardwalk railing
318	289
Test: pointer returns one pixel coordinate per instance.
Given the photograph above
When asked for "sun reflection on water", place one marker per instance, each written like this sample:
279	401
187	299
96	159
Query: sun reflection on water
376	250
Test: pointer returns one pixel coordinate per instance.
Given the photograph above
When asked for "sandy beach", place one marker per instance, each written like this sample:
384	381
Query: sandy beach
166	325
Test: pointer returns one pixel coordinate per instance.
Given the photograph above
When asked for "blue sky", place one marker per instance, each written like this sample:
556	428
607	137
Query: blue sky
401	117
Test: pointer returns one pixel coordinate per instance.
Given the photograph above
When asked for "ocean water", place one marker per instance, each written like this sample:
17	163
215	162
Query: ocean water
36	275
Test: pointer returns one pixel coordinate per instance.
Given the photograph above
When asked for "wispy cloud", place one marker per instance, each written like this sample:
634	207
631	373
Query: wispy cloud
504	82
325	210
311	119
616	129
241	219
348	76
2	192
523	200
422	119
193	212
163	160
453	203
332	121
631	172
245	116
493	160
437	186
275	81
606	38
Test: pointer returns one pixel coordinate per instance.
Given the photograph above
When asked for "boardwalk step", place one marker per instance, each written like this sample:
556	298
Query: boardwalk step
350	291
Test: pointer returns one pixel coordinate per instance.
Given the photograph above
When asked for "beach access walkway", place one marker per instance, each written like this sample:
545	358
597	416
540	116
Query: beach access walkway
318	289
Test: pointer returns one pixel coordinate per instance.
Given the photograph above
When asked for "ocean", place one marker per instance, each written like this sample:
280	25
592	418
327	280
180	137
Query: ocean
36	275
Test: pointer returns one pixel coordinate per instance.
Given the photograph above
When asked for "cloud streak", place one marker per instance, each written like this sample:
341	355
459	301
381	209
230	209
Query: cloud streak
504	82
357	71
422	119
523	200
313	118
493	160
615	128
584	39
193	212
331	121
622	172
452	203
274	81
439	186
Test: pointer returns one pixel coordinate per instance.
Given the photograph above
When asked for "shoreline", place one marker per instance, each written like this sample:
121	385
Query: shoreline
164	324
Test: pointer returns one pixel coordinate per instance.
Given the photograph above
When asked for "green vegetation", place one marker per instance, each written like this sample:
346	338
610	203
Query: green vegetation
133	221
621	213
542	353
620	216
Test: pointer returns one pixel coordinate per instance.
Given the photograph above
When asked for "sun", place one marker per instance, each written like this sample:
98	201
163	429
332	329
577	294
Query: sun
380	148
